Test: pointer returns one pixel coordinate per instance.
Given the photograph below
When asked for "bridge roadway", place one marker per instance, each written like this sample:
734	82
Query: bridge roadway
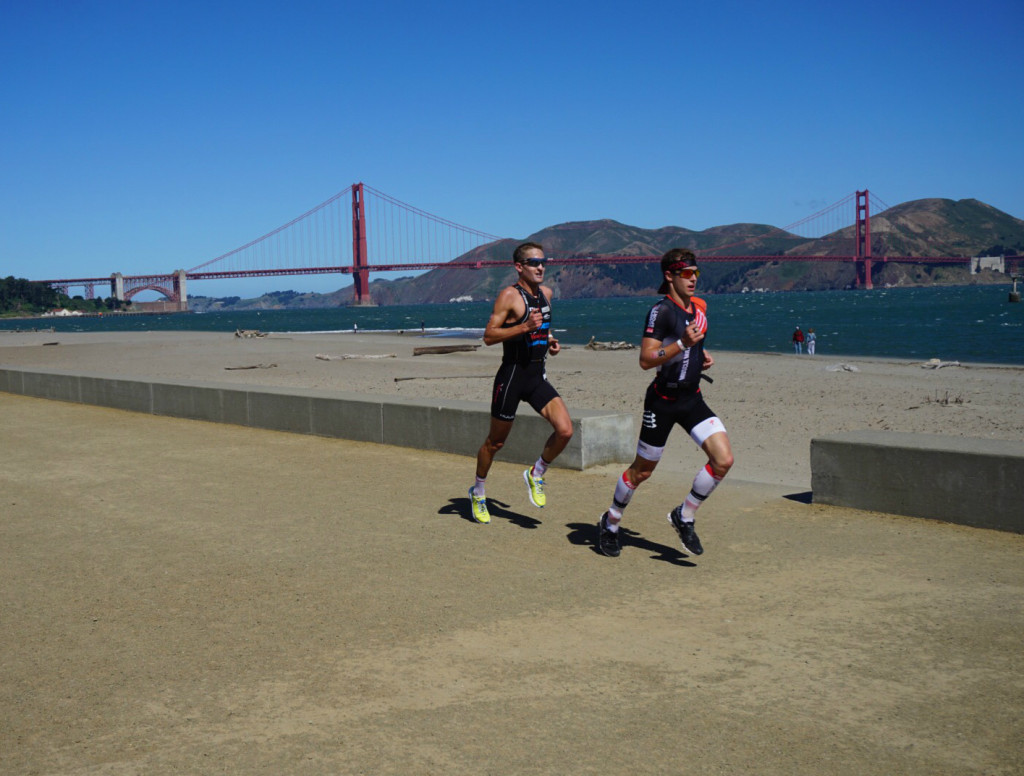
172	285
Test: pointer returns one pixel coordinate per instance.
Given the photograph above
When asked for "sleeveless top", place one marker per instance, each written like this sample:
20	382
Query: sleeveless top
531	347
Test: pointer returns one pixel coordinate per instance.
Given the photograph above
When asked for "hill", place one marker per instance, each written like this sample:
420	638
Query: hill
924	227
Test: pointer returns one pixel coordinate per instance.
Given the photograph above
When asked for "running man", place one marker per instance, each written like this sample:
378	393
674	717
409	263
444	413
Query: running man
521	322
673	343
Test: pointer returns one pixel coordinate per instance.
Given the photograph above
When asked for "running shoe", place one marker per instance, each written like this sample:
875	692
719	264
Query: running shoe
479	508
607	541
535	485
687	535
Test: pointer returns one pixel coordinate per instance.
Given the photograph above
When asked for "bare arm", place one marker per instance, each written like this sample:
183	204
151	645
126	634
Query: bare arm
654	353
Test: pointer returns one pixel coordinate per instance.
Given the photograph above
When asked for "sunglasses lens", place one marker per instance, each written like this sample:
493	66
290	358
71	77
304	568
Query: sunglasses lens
536	262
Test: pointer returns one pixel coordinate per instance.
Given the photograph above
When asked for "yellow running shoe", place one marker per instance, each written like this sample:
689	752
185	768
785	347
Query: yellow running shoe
535	485
479	508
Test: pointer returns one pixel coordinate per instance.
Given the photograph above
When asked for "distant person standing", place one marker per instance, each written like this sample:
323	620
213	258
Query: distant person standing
798	341
810	340
521	322
673	344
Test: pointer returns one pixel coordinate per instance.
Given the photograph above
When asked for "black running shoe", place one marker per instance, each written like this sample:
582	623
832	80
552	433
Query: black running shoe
607	541
687	535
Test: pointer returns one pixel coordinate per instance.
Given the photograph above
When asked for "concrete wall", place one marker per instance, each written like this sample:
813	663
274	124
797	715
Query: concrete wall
976	482
446	426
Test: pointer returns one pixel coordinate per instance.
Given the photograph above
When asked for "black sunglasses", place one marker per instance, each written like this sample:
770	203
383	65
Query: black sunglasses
535	262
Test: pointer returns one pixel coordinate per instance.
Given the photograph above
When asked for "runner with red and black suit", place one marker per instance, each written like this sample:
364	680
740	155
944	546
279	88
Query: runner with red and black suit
673	343
521	322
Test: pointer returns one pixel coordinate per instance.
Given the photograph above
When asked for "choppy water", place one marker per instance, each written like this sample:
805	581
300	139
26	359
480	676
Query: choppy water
968	323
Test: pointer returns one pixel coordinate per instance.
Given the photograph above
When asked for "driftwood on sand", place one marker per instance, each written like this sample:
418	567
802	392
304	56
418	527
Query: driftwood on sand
440	349
248	333
595	345
934	363
253	366
443	377
346	356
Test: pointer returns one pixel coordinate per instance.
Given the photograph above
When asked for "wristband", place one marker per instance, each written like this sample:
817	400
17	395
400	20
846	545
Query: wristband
679	342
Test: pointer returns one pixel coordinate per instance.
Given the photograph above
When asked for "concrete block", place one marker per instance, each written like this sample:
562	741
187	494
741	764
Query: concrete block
460	427
605	438
447	426
196	402
234	405
51	385
969	481
347	417
450	426
280	411
132	395
11	381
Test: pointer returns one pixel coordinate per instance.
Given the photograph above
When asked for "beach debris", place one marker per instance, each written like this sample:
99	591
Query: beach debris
595	345
945	401
841	368
252	366
443	377
249	333
346	356
441	349
50	343
934	363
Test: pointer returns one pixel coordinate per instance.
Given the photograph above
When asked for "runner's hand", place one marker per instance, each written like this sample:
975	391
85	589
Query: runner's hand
534	320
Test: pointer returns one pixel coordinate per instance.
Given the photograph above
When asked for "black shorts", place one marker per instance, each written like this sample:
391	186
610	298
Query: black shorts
515	383
661	414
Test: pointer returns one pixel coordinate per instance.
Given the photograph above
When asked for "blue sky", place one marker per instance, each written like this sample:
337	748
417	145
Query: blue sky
148	136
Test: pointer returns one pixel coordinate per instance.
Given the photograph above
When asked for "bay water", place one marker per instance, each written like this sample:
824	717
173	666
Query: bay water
963	323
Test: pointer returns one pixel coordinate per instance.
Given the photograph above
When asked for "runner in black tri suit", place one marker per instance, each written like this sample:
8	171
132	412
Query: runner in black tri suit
521	322
673	343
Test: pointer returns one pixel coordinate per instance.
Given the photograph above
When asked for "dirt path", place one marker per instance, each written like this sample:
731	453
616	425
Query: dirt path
181	597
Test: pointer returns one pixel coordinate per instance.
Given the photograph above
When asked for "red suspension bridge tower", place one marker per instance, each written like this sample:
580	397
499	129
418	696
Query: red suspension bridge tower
360	273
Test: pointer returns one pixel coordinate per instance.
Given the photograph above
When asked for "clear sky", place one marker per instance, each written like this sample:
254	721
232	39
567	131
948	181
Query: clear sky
148	136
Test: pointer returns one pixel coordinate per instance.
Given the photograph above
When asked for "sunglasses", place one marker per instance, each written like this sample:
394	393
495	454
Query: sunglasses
687	273
535	262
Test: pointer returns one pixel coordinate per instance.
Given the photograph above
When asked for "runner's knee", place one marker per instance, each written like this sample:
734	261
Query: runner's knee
564	430
639	476
720	464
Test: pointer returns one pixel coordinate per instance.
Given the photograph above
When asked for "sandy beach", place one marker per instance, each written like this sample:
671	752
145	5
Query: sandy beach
186	597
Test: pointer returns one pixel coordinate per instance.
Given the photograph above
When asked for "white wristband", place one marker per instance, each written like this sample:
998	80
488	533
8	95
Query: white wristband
679	342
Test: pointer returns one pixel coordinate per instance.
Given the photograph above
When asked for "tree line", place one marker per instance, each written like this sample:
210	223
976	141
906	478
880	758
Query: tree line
26	297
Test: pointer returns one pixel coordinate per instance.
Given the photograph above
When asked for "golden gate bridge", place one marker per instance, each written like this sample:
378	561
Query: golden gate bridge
338	235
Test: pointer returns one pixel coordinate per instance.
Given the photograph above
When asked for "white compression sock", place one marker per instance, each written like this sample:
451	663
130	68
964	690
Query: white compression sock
703	484
624	491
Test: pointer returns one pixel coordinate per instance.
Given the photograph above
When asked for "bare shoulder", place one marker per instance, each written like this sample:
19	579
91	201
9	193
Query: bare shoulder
547	293
509	302
506	297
